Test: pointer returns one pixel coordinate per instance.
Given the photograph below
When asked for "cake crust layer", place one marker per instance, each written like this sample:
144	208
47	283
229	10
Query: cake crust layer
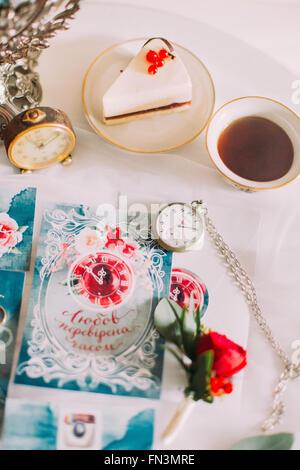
147	112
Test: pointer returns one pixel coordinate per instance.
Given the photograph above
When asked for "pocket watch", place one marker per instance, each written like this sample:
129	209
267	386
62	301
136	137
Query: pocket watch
38	138
180	227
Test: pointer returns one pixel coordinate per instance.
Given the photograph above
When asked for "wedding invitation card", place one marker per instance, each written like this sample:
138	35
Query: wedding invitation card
90	320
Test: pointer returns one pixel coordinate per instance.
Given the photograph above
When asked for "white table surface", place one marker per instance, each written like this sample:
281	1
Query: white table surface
272	27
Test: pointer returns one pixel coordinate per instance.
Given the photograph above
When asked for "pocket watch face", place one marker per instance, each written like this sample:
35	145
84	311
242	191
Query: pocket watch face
178	226
101	281
41	146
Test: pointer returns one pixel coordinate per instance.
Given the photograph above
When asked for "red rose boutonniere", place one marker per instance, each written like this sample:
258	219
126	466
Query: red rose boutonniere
209	358
228	359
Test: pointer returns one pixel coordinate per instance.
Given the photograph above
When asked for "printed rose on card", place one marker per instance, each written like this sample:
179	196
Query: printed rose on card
90	320
16	227
10	234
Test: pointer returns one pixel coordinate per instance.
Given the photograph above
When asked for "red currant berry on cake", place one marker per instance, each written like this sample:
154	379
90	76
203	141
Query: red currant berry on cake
160	63
152	57
153	69
163	54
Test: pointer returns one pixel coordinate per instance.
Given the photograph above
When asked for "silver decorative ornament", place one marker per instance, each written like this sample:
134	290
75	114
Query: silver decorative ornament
25	29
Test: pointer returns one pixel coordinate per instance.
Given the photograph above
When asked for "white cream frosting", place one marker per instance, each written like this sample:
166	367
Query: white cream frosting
137	90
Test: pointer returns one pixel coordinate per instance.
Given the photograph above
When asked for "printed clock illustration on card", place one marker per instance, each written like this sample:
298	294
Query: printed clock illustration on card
17	208
90	320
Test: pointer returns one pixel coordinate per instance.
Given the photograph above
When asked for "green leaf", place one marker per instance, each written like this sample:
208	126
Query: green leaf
198	322
188	331
192	304
23	228
179	358
15	251
178	325
282	441
200	375
167	317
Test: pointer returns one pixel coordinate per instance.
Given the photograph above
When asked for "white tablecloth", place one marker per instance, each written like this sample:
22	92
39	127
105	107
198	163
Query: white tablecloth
262	228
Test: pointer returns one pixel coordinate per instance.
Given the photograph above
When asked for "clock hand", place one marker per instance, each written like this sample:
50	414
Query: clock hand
29	139
185	226
175	294
97	279
43	145
50	140
90	271
40	145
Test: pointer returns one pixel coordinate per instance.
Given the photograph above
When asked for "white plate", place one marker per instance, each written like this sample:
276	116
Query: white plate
156	133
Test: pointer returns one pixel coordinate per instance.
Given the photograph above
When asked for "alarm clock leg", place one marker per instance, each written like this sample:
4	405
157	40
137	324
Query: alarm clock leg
67	161
26	172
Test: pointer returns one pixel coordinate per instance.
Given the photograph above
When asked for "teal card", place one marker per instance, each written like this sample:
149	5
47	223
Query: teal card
90	320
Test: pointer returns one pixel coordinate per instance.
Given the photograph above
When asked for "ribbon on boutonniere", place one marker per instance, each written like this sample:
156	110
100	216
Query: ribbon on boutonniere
209	359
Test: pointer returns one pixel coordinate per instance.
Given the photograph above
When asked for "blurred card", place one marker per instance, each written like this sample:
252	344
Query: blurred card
16	227
11	290
76	428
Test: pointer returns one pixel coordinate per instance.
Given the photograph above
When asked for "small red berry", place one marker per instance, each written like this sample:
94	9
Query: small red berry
163	54
160	63
216	384
228	387
153	69
152	57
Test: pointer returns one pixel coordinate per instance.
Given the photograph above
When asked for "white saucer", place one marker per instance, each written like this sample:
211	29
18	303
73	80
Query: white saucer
156	133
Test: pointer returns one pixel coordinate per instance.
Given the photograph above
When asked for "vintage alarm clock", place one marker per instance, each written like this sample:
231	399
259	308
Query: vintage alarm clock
38	138
180	227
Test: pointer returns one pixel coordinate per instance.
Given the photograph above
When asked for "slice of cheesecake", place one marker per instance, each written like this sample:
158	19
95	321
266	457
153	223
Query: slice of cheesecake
154	82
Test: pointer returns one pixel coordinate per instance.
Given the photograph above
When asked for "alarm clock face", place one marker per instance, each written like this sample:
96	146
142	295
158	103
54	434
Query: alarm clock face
178	227
101	281
184	284
41	146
